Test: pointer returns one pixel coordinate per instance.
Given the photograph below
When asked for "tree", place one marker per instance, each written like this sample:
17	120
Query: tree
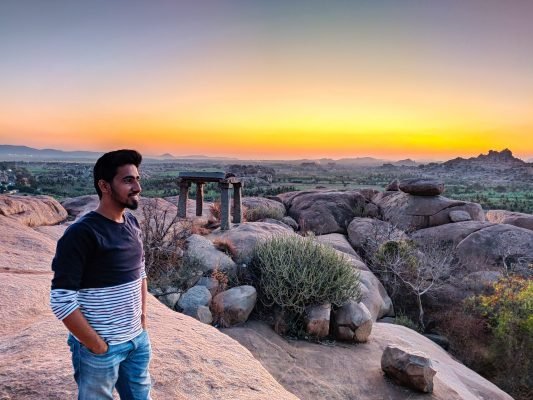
421	269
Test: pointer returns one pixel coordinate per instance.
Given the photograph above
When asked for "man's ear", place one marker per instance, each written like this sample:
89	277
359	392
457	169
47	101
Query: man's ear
104	186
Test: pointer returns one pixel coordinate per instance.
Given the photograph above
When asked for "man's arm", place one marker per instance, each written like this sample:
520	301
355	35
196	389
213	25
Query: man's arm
144	295
78	325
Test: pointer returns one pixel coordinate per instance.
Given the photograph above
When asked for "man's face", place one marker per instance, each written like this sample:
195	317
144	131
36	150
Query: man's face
125	187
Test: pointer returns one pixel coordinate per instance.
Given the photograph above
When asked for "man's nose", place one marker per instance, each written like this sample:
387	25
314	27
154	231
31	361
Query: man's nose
137	186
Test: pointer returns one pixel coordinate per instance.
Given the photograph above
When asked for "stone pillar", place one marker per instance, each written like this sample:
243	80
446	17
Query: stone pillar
199	198
225	223
237	203
184	195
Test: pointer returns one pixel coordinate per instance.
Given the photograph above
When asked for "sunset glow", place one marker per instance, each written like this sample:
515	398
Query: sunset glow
261	80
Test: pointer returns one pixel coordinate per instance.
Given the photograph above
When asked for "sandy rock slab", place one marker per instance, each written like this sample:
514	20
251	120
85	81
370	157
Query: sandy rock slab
353	371
22	248
190	360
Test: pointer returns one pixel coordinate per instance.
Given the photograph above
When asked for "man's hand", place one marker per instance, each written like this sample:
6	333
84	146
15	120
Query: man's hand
100	349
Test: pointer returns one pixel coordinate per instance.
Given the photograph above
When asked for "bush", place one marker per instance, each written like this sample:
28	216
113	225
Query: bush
509	312
294	272
257	213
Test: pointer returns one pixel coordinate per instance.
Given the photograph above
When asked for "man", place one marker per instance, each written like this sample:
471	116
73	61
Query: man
99	287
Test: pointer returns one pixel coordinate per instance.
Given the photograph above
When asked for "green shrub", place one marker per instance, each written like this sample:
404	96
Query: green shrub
257	213
294	272
509	312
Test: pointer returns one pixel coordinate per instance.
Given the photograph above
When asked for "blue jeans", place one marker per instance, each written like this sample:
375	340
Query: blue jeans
124	367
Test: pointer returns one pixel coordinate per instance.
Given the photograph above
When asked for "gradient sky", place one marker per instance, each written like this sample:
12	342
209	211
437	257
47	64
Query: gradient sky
269	79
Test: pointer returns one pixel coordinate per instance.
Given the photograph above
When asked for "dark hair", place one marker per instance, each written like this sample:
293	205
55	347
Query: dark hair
107	165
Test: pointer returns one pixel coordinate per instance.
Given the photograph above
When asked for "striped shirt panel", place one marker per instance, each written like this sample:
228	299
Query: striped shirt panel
113	312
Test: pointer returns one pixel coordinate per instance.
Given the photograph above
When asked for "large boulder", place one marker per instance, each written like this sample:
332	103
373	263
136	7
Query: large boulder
352	322
311	371
421	186
81	205
482	252
234	305
408	212
363	232
261	207
245	237
481	246
32	211
203	254
409	368
324	212
339	242
521	220
374	296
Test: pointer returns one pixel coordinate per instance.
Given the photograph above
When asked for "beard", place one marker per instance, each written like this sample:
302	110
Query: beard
130	202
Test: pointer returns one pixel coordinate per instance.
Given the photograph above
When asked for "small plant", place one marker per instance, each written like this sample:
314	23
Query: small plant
294	272
215	209
226	246
262	212
222	279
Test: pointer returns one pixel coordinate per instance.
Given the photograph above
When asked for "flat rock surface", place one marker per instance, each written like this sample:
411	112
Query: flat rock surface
353	371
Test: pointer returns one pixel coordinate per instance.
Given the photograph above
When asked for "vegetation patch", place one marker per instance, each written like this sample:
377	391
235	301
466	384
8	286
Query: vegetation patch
294	272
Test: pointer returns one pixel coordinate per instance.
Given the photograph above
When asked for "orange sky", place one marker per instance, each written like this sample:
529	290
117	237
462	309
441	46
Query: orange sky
266	82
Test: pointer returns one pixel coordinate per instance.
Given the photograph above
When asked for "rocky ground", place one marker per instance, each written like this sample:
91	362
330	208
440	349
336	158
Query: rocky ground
195	360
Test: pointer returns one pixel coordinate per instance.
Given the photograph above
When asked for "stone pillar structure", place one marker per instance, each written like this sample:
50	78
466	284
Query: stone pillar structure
184	195
237	203
225	223
199	198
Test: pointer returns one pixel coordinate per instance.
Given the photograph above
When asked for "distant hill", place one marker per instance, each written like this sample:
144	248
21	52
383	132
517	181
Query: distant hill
10	152
501	159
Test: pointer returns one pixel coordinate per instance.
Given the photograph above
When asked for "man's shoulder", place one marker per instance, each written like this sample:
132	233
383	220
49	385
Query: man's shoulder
130	218
83	224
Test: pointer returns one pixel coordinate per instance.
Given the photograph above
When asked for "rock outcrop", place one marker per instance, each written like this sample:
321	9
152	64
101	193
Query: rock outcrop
324	212
32	211
421	187
521	220
313	371
408	212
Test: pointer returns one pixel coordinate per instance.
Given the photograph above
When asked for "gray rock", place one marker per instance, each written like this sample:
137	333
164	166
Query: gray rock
203	314
233	306
374	296
170	299
290	222
339	242
408	368
193	298
521	220
210	283
393	186
245	237
260	207
371	211
206	257
421	186
361	230
352	322
408	212
459	216
317	320
324	211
